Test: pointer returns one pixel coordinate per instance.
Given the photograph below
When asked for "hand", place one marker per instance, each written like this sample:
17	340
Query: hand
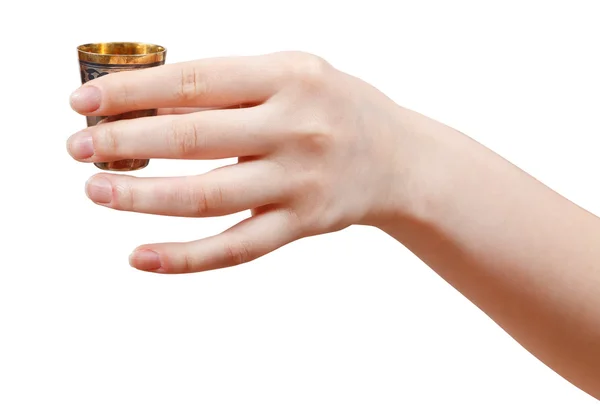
316	149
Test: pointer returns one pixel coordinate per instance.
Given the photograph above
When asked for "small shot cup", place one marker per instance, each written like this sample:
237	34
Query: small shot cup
100	59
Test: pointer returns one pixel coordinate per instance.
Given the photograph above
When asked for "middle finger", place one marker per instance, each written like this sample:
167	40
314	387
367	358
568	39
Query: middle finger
210	134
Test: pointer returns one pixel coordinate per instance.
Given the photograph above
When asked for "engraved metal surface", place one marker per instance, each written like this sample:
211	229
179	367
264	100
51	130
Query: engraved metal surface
101	59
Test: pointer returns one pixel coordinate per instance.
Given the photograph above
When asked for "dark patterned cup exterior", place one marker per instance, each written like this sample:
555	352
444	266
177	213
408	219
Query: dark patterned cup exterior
93	70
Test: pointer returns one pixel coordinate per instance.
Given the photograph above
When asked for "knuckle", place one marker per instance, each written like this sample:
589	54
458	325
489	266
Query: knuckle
124	196
314	136
187	263
318	143
184	138
124	96
191	84
208	201
178	261
314	185
294	221
305	213
238	252
202	204
105	140
307	67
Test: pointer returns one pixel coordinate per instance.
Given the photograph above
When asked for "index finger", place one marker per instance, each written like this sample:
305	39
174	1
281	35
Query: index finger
210	82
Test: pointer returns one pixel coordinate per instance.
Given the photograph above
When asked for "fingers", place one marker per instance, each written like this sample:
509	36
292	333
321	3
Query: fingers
215	82
200	135
248	240
222	191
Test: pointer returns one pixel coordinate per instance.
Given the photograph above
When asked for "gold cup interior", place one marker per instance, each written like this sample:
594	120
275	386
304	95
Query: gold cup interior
121	53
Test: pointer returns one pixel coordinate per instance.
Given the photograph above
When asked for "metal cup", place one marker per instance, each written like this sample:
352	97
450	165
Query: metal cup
99	59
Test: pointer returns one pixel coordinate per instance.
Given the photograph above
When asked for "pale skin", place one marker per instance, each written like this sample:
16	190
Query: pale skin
320	150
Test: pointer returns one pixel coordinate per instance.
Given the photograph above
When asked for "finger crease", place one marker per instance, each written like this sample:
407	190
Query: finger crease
202	203
196	92
182	86
187	263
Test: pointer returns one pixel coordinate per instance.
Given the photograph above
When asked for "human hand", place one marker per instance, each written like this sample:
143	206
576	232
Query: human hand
317	150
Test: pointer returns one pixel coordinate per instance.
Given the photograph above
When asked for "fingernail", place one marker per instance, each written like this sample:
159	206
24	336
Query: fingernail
99	190
86	99
81	146
145	260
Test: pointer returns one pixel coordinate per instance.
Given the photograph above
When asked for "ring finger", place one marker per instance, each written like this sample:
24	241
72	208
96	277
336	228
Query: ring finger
223	191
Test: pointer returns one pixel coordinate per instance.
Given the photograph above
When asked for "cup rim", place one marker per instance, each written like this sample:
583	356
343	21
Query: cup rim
86	53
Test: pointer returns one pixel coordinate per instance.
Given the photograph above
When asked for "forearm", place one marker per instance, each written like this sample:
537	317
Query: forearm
526	256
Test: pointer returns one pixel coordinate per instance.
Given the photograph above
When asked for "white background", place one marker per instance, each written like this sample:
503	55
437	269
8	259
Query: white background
344	323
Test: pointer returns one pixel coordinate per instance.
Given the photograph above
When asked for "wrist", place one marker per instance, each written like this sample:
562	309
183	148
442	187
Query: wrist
428	160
